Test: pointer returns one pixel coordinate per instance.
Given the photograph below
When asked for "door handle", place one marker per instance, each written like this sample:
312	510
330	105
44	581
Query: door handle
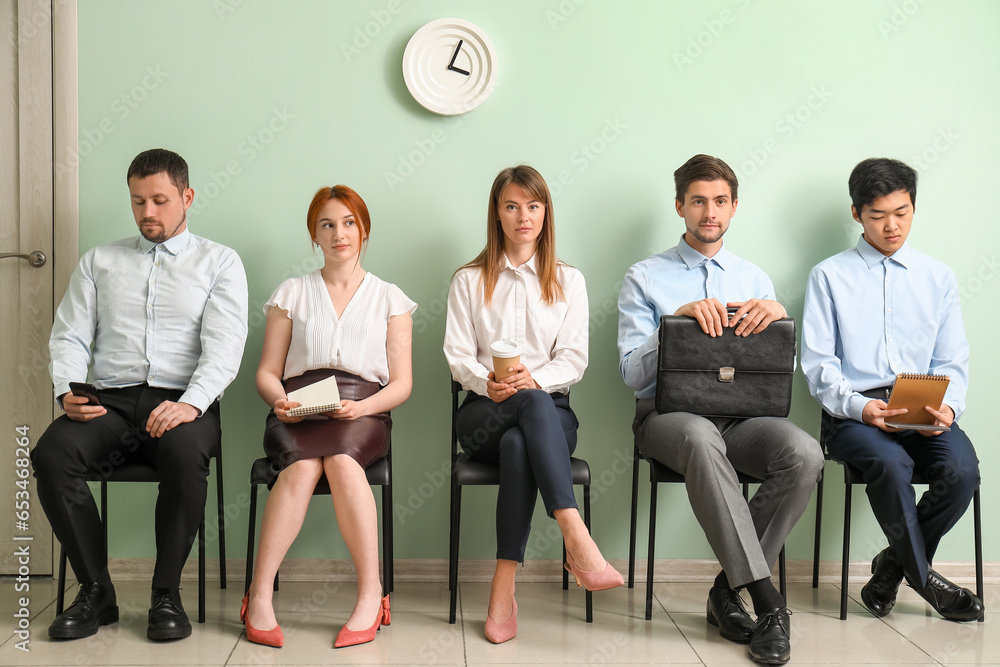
36	258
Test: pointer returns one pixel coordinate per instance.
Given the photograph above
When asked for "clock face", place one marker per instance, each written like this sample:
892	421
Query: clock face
450	66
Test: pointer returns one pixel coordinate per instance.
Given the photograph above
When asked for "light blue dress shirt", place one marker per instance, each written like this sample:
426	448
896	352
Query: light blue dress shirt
659	285
171	314
868	317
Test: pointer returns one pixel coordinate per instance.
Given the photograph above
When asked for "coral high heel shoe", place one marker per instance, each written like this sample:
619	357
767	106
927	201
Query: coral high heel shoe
354	637
607	578
274	637
498	633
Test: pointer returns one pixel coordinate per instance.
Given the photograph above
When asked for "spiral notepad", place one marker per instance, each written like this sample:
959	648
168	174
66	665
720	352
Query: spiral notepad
322	396
913	391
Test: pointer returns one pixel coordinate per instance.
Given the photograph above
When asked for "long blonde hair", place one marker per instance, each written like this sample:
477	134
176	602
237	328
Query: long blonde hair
491	260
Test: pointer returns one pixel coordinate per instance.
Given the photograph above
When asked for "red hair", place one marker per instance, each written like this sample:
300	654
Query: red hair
351	199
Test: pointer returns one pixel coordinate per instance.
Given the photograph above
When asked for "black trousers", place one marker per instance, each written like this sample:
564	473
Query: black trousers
531	435
69	450
887	460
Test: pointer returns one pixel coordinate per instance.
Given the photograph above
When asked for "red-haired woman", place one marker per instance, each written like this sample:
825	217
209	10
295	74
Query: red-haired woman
517	289
342	321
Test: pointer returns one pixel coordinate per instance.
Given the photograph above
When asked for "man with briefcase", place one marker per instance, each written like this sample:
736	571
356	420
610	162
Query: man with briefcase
706	441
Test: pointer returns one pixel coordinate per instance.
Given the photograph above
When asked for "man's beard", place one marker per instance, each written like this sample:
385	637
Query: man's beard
161	235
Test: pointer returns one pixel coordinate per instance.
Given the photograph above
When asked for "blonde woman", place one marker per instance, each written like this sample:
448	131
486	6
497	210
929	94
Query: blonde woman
517	289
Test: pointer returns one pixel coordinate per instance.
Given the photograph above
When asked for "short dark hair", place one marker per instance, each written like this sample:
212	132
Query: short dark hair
880	176
158	160
704	168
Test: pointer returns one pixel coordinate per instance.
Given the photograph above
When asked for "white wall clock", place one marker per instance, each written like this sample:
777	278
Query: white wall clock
450	66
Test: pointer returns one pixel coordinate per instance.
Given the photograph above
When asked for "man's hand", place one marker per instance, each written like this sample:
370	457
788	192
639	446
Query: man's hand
281	408
943	417
498	391
167	415
76	408
759	313
876	412
710	313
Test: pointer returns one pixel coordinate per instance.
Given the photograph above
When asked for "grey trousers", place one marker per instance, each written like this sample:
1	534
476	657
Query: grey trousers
746	538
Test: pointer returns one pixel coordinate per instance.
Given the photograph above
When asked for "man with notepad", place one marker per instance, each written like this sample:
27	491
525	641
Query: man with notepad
872	313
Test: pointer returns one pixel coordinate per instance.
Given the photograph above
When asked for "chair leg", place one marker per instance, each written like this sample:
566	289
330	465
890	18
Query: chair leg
635	513
456	515
565	573
589	596
845	563
977	523
386	540
251	535
221	501
652	551
819	532
782	579
201	570
61	593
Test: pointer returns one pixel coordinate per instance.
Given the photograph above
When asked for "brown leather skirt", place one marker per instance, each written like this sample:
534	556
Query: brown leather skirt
366	440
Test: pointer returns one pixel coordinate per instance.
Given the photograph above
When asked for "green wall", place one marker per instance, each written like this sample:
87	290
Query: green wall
612	96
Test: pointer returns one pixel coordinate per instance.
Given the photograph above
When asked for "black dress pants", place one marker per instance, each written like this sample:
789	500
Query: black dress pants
69	450
887	461
531	435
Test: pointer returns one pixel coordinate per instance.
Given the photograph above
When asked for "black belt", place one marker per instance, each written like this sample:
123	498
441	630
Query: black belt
878	392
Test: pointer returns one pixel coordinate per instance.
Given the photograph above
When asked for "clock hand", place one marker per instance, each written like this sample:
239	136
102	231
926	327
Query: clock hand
451	65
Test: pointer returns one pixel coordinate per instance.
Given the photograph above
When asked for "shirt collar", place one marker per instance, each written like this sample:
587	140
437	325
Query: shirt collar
529	265
873	257
173	245
693	258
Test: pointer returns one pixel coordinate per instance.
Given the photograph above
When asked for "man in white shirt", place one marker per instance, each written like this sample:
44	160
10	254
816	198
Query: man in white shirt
163	319
699	278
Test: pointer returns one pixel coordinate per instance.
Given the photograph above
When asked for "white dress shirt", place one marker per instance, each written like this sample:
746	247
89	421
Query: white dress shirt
353	342
554	337
868	317
171	314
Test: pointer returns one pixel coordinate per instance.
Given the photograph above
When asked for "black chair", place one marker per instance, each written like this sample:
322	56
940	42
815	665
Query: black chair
142	472
475	473
659	473
853	476
378	474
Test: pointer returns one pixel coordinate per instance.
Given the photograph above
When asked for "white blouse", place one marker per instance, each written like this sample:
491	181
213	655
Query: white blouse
353	342
554	337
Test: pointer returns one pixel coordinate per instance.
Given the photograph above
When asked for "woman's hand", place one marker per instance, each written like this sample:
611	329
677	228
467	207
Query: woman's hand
520	378
281	408
498	391
349	410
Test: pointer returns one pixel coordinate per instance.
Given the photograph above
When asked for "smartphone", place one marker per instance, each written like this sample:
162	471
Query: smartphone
86	390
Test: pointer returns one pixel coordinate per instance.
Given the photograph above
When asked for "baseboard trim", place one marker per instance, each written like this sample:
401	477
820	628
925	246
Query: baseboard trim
434	570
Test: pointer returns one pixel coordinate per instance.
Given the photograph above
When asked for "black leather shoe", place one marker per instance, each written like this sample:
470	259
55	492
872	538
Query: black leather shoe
952	602
167	619
879	594
769	640
725	611
95	605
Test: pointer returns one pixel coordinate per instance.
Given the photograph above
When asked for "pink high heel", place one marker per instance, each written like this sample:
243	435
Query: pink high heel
274	637
607	578
354	637
498	633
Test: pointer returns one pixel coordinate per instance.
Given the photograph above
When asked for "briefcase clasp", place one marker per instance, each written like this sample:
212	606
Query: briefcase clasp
726	374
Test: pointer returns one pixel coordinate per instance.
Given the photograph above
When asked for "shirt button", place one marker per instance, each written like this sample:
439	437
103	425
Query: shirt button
890	340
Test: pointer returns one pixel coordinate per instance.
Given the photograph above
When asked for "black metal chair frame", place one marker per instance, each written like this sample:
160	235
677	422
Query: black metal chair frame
378	474
659	473
852	477
475	473
141	472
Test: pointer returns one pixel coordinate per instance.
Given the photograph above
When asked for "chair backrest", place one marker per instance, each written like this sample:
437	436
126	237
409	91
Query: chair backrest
456	389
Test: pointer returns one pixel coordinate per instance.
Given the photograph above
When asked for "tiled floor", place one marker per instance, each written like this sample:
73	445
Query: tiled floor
551	630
